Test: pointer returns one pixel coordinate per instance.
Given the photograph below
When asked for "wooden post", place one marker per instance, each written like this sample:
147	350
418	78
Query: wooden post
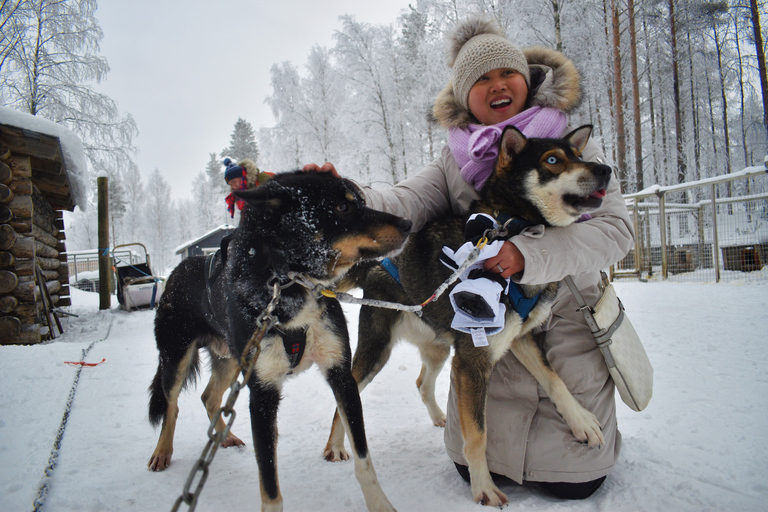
715	241
103	216
663	229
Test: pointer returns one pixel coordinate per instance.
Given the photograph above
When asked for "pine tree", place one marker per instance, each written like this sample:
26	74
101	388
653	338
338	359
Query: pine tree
242	142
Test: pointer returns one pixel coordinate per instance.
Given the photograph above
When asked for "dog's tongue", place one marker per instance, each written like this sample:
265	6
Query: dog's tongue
598	194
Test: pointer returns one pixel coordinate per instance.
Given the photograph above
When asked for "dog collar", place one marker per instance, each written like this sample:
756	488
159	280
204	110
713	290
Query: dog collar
512	225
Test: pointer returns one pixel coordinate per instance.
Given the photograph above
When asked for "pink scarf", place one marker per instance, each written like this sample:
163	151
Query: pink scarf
476	147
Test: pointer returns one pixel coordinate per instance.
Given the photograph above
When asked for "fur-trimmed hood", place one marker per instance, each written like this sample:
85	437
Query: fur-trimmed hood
251	171
555	82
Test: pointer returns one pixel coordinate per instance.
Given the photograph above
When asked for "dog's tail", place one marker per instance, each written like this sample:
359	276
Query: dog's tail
158	403
356	276
158	400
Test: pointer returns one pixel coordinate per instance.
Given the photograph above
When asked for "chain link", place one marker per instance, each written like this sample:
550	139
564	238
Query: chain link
264	322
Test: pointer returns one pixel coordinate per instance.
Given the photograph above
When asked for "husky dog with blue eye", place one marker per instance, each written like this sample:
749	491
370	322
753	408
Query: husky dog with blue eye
535	181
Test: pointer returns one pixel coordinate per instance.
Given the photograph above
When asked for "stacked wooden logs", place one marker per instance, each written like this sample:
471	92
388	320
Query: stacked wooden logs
31	235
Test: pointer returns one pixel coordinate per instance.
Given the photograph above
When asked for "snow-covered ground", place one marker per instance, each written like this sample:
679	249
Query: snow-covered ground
702	443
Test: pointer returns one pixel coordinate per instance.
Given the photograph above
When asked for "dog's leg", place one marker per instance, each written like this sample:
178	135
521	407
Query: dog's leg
264	402
470	380
582	422
169	381
433	357
350	411
223	370
375	340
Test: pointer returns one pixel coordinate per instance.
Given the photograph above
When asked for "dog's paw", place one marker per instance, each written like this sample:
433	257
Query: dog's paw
492	497
335	455
587	429
439	422
159	461
232	440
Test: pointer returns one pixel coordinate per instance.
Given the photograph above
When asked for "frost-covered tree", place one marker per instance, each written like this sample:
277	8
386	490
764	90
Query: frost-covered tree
676	128
208	192
214	173
132	229
50	69
288	103
242	142
160	222
309	111
117	206
11	28
365	58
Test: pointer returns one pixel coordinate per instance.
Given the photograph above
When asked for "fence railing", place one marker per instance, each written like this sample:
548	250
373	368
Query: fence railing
87	263
708	230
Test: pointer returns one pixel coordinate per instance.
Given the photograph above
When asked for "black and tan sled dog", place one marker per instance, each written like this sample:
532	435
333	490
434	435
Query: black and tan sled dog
309	226
541	181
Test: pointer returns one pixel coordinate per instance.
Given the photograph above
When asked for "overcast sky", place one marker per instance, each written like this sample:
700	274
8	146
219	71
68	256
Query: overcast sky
187	69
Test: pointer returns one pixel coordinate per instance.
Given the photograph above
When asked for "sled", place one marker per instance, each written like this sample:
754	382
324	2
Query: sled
137	287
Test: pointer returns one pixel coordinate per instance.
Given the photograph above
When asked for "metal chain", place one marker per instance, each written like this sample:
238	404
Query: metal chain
264	322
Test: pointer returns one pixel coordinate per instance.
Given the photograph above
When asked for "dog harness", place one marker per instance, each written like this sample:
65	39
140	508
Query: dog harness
294	341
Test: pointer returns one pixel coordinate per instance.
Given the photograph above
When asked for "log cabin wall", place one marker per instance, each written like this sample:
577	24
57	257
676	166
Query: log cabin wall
31	234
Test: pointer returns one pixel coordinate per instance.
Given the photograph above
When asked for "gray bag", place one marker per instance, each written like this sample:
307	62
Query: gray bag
619	343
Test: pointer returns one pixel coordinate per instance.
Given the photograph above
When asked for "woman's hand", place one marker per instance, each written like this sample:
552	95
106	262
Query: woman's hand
509	261
326	167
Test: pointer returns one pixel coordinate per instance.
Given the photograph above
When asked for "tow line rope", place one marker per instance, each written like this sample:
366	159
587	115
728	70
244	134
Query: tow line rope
417	309
53	460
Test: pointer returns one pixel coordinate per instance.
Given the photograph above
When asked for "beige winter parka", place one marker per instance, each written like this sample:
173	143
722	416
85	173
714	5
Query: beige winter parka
527	438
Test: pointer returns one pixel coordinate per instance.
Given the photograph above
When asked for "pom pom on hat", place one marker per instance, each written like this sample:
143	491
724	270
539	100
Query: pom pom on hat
477	46
232	171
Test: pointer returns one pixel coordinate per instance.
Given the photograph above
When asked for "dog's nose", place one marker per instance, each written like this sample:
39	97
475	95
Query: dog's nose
405	225
601	171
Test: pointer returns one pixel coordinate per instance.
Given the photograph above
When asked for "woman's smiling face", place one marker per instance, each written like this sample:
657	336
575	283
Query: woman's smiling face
497	95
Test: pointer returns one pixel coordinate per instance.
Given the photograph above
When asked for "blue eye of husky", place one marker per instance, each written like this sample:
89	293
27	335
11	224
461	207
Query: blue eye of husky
551	160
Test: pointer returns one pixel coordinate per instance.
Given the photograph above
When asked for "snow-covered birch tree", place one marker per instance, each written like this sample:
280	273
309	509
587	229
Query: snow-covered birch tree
51	69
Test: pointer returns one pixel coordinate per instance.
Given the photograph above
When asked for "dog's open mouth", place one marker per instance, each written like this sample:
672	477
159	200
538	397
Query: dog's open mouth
590	202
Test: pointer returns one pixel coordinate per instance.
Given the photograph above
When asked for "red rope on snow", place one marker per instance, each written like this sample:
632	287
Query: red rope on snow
83	363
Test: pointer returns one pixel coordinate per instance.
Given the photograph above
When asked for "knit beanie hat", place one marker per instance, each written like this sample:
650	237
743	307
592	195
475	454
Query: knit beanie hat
232	171
476	47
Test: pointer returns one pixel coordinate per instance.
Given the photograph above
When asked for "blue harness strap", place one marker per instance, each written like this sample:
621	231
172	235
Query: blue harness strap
390	267
522	305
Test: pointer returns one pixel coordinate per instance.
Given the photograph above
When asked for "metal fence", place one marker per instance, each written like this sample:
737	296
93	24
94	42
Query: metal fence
709	230
84	267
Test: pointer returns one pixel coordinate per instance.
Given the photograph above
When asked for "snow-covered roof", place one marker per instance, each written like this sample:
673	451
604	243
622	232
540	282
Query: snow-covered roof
72	154
223	227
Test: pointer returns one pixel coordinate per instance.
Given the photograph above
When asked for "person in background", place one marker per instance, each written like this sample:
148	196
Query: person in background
241	176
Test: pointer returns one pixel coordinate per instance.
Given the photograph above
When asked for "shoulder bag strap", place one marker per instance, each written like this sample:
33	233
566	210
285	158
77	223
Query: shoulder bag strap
586	310
602	336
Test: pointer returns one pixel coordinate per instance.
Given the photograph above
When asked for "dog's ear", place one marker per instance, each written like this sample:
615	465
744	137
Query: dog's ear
579	137
260	197
512	143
